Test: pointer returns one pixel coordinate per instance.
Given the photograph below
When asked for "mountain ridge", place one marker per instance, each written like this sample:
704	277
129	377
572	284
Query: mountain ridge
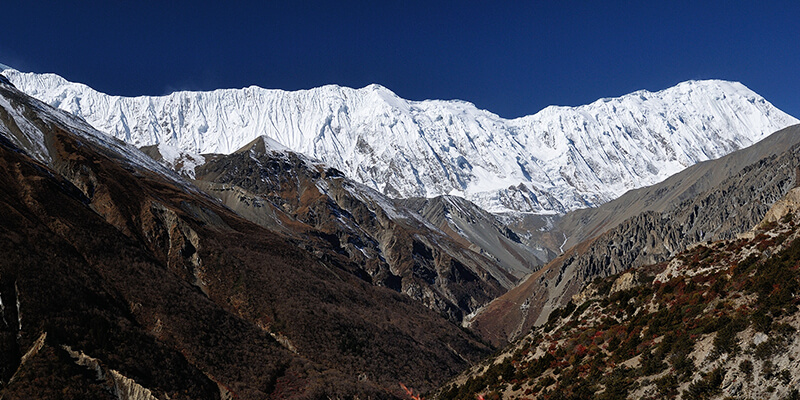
390	245
556	160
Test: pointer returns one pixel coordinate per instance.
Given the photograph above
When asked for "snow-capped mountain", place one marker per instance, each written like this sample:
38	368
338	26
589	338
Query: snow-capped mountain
559	159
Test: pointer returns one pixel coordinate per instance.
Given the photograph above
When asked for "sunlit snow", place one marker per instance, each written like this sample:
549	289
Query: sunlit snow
559	159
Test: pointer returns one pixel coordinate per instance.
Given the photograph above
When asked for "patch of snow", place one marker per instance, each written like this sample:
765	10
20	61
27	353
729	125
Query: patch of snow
374	199
759	338
274	145
32	138
322	186
181	161
19	313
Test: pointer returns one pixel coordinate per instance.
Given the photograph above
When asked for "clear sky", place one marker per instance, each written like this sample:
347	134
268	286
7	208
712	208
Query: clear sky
510	57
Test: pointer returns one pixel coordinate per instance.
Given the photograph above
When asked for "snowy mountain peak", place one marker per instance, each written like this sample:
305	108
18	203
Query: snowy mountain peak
263	144
556	160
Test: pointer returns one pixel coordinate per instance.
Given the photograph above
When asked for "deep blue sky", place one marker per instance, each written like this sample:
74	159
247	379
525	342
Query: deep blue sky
512	58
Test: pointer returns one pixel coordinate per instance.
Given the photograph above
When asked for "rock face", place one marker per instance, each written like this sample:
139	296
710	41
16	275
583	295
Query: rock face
554	161
718	321
111	255
625	281
732	206
121	386
789	204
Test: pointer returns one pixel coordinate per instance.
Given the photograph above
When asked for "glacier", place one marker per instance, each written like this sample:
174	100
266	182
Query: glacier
557	160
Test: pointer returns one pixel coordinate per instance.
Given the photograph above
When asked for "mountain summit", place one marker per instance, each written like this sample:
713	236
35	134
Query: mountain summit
557	160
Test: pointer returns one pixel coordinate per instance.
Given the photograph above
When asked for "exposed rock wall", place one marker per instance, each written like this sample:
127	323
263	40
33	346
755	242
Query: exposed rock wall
124	388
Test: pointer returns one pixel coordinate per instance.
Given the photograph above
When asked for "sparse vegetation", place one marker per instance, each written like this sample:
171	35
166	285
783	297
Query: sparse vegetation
614	344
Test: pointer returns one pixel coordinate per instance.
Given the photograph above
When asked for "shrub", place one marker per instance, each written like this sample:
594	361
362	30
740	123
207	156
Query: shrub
546	381
768	348
553	318
651	364
767	369
761	321
725	341
683	365
667	386
707	387
744	265
568	309
613	344
617	384
785	376
746	366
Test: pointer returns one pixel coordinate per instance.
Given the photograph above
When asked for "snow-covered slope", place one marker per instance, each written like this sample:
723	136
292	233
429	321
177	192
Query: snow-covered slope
26	124
556	160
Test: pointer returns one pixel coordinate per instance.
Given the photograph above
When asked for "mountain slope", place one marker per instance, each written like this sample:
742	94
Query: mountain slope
718	321
118	275
486	232
719	212
386	244
557	160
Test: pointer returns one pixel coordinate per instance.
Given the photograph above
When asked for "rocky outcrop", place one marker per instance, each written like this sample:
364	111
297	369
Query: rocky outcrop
177	242
32	351
625	281
783	208
121	386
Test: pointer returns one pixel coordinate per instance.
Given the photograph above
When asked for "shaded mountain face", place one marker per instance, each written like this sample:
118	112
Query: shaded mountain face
487	232
728	206
554	161
383	243
118	275
717	321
